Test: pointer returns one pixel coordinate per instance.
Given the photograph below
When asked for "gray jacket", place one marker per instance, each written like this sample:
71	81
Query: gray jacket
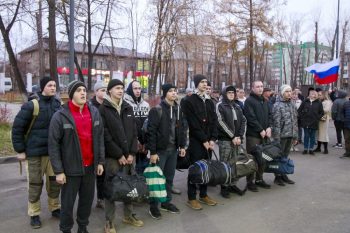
338	106
64	145
285	120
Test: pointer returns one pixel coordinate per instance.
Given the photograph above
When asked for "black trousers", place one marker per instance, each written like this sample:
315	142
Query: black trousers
84	186
339	127
100	180
250	144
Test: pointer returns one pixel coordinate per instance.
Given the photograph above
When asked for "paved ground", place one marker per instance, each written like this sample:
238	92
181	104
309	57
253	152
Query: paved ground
318	202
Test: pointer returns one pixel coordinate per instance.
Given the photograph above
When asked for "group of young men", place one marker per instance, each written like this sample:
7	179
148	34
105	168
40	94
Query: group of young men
81	141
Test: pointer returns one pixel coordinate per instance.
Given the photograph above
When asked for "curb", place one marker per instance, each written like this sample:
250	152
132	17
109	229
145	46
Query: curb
8	159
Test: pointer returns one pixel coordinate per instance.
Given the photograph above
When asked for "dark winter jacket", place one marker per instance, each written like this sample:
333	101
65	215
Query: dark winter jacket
338	106
285	119
119	130
158	129
37	141
202	122
64	145
94	102
258	115
347	115
228	127
310	113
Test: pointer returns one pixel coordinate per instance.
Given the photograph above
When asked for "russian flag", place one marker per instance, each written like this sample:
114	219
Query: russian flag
325	73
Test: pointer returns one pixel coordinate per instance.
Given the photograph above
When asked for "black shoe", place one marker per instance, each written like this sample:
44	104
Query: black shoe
325	151
155	213
252	187
304	152
35	222
56	213
225	192
287	180
168	207
278	180
82	230
311	152
235	189
345	156
262	184
317	150
66	232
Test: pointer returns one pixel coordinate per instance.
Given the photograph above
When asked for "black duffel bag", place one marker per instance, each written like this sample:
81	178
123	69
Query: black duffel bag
267	152
126	188
211	172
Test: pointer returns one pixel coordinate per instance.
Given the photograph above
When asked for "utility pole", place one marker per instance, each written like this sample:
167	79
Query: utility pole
71	40
337	44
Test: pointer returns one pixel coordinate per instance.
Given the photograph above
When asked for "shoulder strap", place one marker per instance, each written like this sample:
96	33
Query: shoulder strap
35	115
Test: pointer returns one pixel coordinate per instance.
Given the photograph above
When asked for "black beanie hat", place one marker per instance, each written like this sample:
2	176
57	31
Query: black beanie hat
44	81
114	82
231	88
198	78
72	87
166	87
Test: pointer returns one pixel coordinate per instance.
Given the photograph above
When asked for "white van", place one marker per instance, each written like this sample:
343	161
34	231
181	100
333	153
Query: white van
8	84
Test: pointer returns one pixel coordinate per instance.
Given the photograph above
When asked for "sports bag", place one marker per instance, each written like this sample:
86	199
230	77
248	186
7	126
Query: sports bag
280	166
155	180
211	172
267	152
245	164
125	188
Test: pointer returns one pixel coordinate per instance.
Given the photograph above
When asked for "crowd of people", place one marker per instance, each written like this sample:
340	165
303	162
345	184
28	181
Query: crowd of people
78	144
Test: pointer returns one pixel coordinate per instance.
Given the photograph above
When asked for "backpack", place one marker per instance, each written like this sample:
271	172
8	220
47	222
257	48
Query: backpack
144	128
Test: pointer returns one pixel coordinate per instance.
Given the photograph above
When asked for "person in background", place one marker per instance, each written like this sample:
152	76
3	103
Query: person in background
241	96
334	94
297	102
100	91
346	129
300	95
211	94
338	116
310	112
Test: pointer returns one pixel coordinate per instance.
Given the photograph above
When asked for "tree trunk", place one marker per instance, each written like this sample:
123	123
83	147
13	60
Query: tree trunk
52	42
40	41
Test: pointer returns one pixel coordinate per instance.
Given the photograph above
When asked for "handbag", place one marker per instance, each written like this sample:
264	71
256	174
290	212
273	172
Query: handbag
280	166
126	188
155	180
245	164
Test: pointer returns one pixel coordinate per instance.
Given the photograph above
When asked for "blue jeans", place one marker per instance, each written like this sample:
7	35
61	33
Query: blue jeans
309	138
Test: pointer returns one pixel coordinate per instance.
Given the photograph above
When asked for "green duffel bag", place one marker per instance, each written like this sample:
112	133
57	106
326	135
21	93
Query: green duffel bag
245	164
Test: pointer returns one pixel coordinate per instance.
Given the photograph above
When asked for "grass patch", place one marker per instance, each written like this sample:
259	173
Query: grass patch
6	148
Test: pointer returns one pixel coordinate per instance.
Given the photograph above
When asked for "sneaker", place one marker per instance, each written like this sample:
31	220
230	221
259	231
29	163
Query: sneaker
155	213
109	227
287	180
338	146
225	192
132	220
168	207
278	180
262	184
175	191
35	222
82	230
252	187
208	201
235	189
100	204
56	213
304	152
295	148
194	204
311	152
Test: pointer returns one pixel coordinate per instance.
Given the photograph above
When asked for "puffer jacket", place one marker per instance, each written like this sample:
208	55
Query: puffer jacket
228	128
338	106
310	113
285	119
37	141
347	115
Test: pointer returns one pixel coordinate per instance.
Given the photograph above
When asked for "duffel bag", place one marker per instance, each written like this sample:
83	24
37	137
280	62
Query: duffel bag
245	164
267	152
280	166
211	172
155	180
125	188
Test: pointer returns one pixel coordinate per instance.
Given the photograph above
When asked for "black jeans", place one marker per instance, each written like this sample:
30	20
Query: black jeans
84	186
100	180
339	127
250	144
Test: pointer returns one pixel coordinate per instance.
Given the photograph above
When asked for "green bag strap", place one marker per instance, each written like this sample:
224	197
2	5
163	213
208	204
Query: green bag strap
34	116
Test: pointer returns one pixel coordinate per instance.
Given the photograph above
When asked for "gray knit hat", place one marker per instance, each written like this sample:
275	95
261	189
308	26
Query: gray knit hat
98	85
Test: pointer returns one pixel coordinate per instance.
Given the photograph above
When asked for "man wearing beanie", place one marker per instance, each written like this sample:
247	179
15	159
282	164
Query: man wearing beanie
202	122
166	141
141	109
285	127
32	145
231	130
121	146
76	148
100	89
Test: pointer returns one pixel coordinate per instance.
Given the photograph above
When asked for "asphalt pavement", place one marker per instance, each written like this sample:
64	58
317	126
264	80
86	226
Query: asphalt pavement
319	202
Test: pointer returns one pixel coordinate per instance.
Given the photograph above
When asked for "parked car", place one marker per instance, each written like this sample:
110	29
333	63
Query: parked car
8	84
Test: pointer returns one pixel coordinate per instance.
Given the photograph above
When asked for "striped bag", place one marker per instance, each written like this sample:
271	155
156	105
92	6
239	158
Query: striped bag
156	183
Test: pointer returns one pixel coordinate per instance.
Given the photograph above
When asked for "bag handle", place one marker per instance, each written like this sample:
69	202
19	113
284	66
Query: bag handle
213	153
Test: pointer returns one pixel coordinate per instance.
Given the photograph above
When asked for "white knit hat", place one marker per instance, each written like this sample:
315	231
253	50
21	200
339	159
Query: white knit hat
284	88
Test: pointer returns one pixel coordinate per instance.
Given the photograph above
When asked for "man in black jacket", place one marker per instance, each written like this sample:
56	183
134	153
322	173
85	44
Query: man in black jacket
202	121
34	148
258	115
166	140
76	152
121	146
231	130
100	91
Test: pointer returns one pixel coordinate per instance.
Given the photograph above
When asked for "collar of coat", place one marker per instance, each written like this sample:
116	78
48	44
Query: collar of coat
203	96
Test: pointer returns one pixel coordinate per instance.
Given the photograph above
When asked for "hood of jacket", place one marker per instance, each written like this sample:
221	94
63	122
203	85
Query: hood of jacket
130	92
224	98
342	94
